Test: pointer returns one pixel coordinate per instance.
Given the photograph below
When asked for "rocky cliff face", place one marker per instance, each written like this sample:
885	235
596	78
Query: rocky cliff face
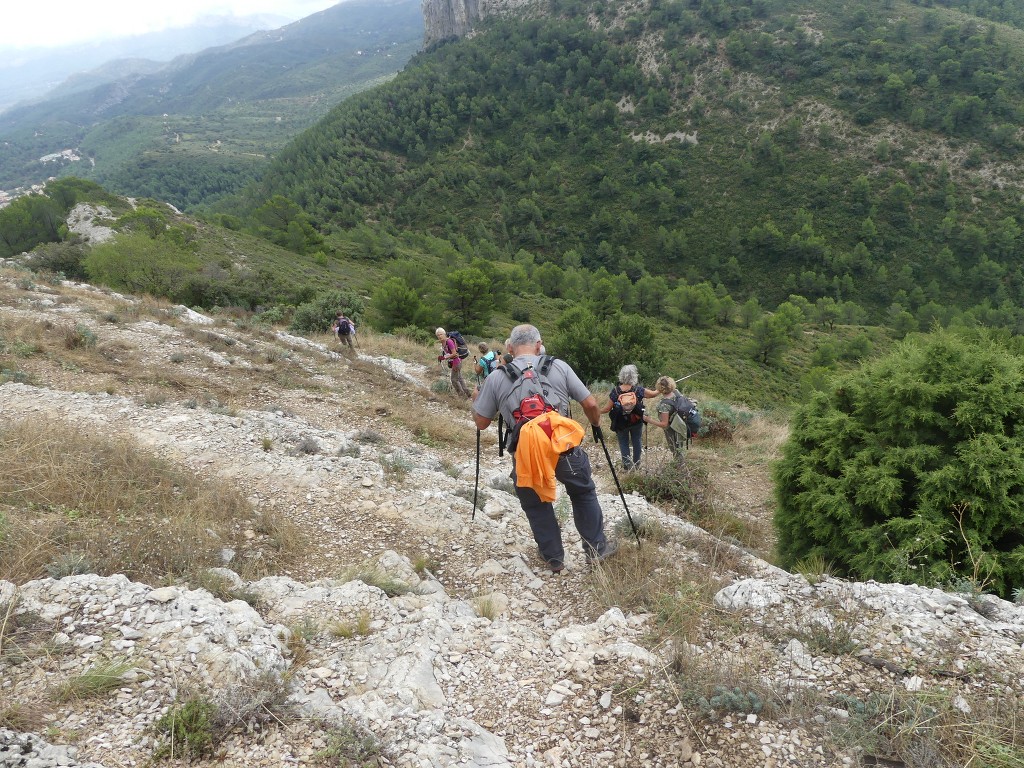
448	19
445	19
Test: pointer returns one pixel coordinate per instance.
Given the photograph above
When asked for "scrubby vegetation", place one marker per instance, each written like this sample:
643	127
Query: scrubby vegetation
909	469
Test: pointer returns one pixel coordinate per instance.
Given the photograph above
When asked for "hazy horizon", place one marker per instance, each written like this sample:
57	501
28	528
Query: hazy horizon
61	23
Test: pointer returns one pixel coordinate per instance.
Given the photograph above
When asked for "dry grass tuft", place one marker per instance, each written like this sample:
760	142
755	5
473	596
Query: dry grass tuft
71	501
360	626
101	678
762	435
435	426
24	716
936	729
399	347
652	579
487	607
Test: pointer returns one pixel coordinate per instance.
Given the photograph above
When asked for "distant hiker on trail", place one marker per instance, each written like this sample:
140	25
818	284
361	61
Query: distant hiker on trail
486	363
626	404
673	402
532	393
504	359
451	355
344	329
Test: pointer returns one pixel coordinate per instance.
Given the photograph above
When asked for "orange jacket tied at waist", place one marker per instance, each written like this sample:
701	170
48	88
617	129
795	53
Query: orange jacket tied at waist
541	441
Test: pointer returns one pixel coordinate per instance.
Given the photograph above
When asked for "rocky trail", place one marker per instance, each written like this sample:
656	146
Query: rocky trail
483	658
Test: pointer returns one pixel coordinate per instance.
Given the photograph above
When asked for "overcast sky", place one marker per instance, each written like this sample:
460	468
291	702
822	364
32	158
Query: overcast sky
33	23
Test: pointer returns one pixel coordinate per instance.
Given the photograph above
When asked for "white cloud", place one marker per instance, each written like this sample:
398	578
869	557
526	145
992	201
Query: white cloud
31	23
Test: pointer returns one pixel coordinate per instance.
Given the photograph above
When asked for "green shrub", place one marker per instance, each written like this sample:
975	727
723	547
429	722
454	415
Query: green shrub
63	258
316	316
187	729
136	263
685	485
910	468
271	316
415	333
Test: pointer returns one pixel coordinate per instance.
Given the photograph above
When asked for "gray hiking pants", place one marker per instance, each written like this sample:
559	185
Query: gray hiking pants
573	472
458	385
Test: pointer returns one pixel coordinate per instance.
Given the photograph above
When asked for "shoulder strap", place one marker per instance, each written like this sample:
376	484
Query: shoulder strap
512	371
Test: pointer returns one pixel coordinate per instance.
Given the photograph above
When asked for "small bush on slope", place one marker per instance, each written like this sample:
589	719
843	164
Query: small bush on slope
911	469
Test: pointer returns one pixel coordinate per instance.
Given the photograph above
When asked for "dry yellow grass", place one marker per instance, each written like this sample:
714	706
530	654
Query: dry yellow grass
72	502
438	426
763	436
652	578
373	343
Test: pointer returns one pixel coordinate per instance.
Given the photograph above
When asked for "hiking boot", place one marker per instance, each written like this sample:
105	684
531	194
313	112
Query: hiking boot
556	564
610	548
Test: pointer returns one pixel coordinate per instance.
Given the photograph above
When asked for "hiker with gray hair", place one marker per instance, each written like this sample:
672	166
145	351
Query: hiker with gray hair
501	393
626	404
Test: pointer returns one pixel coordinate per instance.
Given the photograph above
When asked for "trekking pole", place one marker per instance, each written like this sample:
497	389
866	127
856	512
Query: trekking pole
501	437
476	485
621	494
687	376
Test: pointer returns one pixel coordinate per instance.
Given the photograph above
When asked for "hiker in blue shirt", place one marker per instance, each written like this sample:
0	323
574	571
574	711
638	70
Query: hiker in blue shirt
486	363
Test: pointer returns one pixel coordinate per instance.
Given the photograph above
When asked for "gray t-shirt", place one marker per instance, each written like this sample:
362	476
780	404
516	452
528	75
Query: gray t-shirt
563	383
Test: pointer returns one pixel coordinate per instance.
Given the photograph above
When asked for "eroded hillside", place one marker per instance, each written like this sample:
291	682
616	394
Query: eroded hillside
356	589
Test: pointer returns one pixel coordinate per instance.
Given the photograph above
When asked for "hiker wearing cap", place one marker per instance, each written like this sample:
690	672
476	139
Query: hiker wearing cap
450	354
672	402
626	405
501	393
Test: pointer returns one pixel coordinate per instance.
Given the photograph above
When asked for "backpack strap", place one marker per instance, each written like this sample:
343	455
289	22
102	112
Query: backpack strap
512	371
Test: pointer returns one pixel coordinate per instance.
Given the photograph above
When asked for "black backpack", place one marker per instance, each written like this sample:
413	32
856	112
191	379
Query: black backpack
461	347
624	414
489	362
689	413
530	391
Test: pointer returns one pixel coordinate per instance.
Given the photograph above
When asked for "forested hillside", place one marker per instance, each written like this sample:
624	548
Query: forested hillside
206	124
862	154
771	192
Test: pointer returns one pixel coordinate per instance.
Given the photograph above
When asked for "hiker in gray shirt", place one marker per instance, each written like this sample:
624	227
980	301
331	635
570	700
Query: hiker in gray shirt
573	467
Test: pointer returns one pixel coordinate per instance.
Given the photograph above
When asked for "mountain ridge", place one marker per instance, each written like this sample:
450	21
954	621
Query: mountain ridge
251	94
28	71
